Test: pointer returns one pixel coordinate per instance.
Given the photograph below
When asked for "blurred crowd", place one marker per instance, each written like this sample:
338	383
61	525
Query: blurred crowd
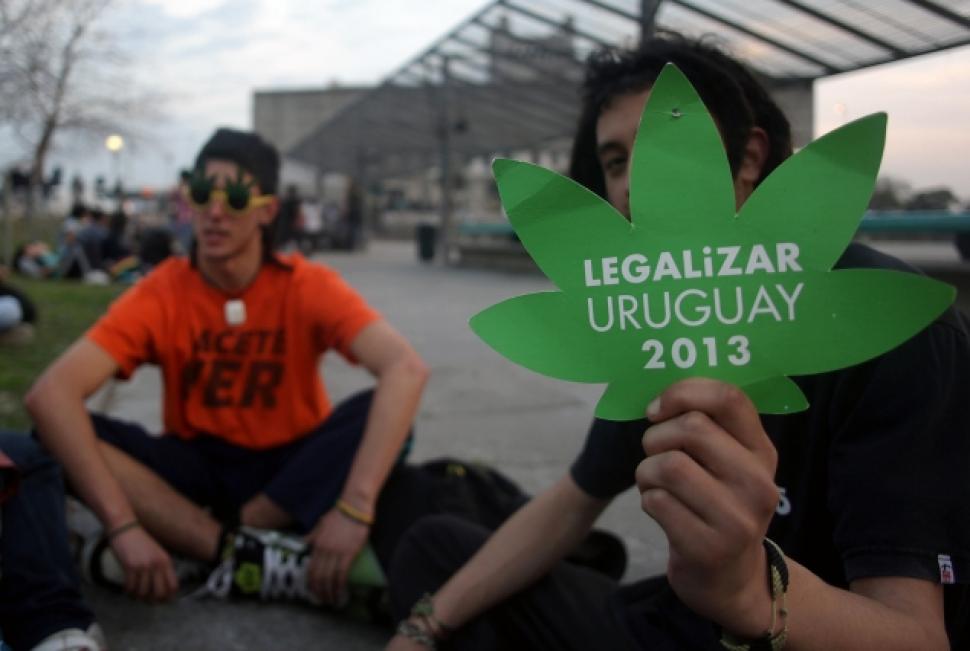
96	247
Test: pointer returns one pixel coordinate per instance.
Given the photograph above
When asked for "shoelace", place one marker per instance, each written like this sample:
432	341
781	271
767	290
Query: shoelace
218	584
282	571
284	574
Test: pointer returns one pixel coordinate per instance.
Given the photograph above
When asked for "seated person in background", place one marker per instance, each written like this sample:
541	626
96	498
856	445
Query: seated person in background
250	433
115	247
35	260
154	247
873	517
41	608
93	236
76	219
72	256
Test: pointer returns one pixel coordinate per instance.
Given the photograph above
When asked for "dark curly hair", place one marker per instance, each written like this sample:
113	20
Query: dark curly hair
732	93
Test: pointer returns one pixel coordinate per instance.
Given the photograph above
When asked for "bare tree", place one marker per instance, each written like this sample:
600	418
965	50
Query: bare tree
62	71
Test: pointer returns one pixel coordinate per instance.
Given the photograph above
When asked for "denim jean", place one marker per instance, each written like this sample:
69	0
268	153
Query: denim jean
39	584
11	313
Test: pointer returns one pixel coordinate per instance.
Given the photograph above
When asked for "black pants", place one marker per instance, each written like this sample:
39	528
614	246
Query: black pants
567	609
304	477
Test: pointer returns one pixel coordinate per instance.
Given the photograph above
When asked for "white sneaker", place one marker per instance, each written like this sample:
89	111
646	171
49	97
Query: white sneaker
99	564
74	639
97	561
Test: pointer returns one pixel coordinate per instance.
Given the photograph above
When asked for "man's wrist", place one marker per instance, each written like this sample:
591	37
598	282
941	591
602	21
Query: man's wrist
112	518
360	498
113	533
757	601
745	606
351	512
415	630
762	624
424	609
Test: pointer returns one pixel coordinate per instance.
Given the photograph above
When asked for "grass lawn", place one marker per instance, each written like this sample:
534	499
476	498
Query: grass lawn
65	310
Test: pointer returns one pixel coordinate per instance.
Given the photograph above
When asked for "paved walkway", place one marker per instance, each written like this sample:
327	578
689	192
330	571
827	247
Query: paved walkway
477	406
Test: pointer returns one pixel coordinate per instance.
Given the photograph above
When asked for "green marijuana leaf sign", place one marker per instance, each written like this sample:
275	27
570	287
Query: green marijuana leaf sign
688	287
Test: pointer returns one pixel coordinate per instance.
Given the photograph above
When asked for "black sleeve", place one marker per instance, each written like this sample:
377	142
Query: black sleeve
610	457
899	491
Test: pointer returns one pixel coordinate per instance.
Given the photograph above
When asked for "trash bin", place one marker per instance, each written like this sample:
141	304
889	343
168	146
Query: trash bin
426	235
962	242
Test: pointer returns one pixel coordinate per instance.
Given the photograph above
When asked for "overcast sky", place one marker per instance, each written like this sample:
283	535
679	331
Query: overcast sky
208	56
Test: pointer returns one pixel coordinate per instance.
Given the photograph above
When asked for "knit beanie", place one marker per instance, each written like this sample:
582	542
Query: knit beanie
245	148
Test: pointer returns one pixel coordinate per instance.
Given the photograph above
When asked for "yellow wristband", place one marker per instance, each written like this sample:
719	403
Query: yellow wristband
355	514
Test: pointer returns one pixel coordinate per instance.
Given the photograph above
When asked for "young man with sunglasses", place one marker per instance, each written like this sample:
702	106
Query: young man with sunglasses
251	440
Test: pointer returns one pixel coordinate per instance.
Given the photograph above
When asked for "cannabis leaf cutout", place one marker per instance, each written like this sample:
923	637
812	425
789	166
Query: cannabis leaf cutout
688	287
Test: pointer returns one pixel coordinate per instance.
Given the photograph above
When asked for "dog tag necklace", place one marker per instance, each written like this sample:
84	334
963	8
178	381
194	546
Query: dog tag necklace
235	311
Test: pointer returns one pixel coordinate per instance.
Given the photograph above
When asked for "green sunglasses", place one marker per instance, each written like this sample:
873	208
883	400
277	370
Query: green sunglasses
237	198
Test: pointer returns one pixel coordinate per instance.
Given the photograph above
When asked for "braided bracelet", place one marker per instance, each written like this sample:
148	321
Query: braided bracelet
412	631
424	608
778	585
120	529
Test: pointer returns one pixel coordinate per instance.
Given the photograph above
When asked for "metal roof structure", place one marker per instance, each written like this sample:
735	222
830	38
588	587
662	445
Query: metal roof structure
507	78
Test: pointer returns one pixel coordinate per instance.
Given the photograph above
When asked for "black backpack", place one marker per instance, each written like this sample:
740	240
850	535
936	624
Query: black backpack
482	495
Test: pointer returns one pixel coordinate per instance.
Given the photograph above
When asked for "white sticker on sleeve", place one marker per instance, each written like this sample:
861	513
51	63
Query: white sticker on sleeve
946	569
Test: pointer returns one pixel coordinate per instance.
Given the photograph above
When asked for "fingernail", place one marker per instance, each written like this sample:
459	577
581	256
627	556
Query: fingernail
653	409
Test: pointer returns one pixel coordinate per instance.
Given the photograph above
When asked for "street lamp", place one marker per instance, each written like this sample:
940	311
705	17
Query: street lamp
115	143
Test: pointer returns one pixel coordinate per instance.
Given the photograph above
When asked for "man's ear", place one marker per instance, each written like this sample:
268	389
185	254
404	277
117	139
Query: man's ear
753	161
269	212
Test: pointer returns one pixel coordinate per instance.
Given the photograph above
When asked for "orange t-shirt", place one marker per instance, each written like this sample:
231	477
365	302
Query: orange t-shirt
256	384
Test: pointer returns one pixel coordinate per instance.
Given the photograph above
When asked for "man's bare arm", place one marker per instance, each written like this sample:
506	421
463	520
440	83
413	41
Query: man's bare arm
881	614
56	403
401	376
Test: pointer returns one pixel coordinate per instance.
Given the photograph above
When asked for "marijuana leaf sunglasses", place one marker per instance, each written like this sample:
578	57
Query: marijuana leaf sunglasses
237	197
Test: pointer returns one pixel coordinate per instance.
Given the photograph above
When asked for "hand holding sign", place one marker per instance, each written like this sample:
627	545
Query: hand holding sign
689	288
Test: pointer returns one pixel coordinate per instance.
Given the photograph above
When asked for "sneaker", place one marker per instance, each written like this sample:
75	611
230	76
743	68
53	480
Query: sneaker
74	639
270	565
82	524
97	561
264	564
